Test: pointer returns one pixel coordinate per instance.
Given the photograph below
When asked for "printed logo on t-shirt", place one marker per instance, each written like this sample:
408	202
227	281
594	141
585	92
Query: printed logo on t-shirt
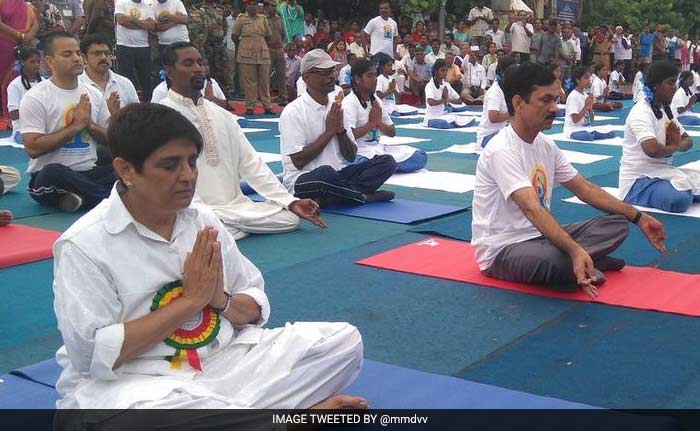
388	32
135	13
372	136
539	183
81	139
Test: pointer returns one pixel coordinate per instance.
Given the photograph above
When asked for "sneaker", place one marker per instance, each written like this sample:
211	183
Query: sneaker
608	263
379	196
70	202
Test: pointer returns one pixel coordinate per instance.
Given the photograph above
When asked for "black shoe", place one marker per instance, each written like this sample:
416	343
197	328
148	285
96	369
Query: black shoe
608	263
379	196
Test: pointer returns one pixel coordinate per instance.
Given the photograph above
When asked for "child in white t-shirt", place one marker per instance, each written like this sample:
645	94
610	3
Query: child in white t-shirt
600	90
29	64
579	110
367	119
684	100
652	136
638	84
439	95
494	116
387	90
616	81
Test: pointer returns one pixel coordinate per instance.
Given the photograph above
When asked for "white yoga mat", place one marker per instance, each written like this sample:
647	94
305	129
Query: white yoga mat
576	157
420	126
270	157
444	181
400	140
265	120
9	141
692	165
253	130
693	211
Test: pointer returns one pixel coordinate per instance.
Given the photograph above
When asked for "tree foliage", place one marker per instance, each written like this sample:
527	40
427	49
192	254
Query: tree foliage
682	15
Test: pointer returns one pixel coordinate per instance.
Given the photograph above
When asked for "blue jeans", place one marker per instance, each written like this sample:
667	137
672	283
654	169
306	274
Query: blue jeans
591	135
660	194
689	120
349	184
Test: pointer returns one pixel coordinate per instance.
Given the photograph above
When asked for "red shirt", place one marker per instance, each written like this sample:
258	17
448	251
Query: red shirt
321	37
415	36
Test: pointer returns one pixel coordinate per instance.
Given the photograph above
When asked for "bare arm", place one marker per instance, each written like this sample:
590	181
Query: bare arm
654	149
598	198
127	22
243	310
36	144
498	116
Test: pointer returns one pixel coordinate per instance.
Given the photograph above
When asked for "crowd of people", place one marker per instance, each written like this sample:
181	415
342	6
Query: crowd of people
163	181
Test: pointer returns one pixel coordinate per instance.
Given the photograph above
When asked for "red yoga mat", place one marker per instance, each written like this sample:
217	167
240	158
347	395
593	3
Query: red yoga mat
21	244
634	287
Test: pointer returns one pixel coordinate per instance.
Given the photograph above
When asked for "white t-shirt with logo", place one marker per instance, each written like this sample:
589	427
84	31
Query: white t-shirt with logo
382	35
642	125
15	93
435	93
494	100
141	10
301	123
46	109
175	34
368	146
506	165
575	103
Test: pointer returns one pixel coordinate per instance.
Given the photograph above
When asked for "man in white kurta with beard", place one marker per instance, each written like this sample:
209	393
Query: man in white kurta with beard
158	308
229	157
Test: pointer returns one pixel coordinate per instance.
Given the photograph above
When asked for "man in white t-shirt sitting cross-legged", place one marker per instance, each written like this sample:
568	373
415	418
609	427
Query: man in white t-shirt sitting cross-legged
318	151
515	235
63	120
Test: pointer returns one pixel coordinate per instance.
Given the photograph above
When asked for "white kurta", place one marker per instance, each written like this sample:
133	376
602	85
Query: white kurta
227	157
108	268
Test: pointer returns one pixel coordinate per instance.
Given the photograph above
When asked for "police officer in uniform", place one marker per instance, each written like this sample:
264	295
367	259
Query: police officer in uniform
215	50
278	63
251	32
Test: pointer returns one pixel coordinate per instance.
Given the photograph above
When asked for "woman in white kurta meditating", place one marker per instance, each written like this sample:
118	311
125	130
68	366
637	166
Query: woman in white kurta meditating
652	136
158	308
366	117
439	96
387	90
494	115
684	99
578	122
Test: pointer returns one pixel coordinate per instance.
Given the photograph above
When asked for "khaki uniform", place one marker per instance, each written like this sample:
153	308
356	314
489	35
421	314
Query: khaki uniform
214	49
253	58
278	63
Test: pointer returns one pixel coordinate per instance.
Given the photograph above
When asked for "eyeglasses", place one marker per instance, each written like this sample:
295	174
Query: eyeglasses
105	52
323	72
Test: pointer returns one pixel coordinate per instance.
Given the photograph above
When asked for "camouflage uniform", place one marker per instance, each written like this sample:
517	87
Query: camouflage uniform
253	58
278	63
197	26
214	49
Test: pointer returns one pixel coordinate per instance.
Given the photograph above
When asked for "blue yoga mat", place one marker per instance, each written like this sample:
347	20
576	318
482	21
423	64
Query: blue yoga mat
391	387
18	393
402	211
44	372
397	211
